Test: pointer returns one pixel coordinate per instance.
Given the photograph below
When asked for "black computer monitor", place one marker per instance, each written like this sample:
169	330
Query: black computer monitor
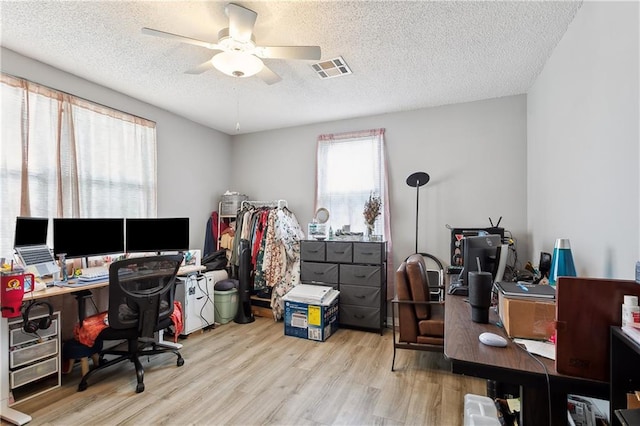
483	248
31	231
157	234
76	237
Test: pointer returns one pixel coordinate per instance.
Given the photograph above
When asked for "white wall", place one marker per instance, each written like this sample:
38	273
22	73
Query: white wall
475	154
193	160
583	143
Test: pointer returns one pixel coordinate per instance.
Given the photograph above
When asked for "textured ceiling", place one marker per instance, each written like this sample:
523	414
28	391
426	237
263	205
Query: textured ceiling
404	55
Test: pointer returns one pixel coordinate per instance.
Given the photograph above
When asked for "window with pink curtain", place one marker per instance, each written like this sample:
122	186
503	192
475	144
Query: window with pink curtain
63	156
350	168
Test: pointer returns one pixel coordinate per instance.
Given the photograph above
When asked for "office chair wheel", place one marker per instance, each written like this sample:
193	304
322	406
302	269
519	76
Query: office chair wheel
140	387
180	362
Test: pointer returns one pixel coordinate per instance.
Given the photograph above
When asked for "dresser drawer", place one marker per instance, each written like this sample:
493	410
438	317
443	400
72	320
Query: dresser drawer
312	272
360	295
312	250
359	316
362	275
340	252
373	253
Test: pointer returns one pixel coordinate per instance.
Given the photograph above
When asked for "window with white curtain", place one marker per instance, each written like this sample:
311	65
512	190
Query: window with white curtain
63	156
351	168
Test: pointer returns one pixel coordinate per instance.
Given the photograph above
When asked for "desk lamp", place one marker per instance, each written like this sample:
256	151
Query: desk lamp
416	180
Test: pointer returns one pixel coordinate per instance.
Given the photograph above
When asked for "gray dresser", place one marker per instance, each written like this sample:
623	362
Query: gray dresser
358	270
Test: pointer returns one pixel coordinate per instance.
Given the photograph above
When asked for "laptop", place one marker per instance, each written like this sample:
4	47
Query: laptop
30	246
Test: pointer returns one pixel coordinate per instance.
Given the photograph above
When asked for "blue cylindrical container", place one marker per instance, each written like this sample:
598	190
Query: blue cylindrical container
562	261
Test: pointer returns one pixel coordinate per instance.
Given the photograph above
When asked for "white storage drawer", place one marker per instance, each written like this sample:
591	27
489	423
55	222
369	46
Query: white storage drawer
34	372
33	353
19	337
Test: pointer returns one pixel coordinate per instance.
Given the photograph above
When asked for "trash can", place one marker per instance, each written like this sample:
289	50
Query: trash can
225	300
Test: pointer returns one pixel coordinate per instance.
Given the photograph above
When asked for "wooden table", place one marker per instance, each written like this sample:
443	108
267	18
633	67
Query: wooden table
542	389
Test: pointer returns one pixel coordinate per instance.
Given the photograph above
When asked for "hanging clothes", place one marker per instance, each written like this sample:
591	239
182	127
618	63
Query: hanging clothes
274	236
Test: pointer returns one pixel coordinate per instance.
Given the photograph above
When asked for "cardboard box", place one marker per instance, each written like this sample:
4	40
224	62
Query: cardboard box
313	321
527	318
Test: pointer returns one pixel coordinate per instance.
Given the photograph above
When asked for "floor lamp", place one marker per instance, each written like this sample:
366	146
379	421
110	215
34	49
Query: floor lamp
416	180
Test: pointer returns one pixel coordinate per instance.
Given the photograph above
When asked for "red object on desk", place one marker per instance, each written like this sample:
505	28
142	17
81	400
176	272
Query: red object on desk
13	290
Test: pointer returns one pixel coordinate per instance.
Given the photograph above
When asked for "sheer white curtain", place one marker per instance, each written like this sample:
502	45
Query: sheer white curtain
62	156
349	168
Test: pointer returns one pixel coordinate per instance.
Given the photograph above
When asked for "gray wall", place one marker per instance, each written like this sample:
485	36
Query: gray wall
475	154
583	143
193	160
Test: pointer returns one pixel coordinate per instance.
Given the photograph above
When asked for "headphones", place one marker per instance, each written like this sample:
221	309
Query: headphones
31	326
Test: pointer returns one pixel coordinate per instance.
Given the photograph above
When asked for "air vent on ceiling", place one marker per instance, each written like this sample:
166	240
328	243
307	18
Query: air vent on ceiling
331	68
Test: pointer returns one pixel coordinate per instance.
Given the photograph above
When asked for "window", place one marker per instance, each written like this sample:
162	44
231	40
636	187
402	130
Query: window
63	156
351	168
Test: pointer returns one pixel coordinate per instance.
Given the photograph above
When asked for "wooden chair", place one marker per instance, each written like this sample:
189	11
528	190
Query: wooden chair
420	307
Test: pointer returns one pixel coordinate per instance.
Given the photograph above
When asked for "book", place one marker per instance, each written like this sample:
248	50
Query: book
527	290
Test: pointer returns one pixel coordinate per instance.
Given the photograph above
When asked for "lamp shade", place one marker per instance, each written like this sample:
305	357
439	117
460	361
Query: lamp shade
562	261
237	64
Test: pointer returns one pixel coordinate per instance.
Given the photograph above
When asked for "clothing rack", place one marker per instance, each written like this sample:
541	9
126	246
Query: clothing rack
253	203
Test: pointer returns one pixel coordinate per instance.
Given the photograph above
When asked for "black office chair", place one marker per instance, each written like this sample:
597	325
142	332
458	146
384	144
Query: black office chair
141	292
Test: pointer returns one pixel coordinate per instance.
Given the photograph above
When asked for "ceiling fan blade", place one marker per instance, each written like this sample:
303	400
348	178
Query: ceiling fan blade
205	66
289	52
268	76
241	22
183	39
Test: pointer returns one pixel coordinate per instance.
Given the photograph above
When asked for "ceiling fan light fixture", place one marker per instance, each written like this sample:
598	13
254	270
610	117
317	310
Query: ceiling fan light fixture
237	64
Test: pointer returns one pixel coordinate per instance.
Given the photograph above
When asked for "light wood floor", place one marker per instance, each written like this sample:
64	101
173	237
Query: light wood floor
252	374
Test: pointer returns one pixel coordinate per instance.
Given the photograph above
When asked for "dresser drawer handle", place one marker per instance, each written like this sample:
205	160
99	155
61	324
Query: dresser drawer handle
367	253
314	251
360	276
360	297
319	273
359	316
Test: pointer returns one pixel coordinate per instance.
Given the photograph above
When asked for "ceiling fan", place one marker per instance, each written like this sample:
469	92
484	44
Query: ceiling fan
237	53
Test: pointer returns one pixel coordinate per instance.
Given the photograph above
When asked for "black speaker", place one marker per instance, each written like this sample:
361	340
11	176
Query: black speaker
244	313
31	326
545	264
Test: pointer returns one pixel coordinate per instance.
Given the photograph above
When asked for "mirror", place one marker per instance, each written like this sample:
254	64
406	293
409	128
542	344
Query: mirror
322	215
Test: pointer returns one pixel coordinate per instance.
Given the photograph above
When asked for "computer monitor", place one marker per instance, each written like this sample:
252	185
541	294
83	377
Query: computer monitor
31	231
85	237
482	248
157	234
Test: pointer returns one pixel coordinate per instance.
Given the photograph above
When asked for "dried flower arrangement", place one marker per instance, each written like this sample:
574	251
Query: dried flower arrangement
372	209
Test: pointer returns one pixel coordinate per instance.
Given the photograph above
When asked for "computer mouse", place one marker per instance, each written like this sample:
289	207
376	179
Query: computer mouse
492	339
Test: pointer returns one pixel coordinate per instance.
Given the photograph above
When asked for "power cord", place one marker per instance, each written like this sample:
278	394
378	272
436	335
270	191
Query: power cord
546	374
199	278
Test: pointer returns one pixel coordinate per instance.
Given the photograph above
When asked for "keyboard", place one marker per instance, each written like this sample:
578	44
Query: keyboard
95	273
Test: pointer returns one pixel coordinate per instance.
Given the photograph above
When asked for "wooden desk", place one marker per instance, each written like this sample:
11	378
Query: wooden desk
59	291
511	365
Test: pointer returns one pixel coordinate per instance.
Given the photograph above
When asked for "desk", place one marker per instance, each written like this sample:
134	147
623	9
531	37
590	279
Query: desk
511	365
14	416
